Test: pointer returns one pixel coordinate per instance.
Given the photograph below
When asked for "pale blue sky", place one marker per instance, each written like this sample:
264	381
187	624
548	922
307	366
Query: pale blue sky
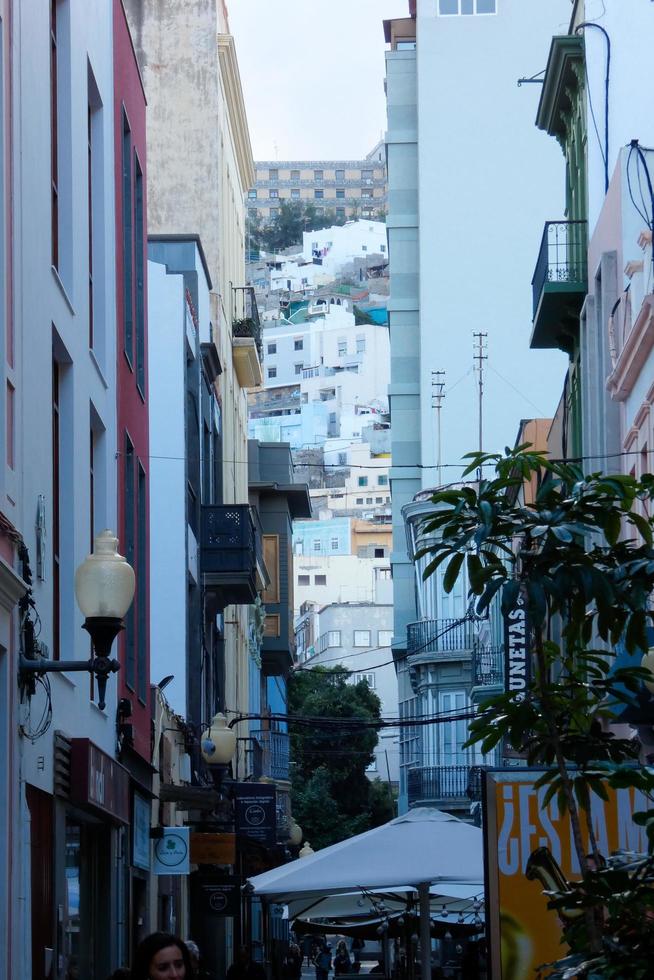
313	74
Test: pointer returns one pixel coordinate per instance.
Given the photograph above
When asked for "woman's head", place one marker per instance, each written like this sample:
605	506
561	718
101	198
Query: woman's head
162	956
341	948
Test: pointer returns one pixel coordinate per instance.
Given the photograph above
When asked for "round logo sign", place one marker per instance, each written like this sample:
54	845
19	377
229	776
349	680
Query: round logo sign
255	815
218	901
171	850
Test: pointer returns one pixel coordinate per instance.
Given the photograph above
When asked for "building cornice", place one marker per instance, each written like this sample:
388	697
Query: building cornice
560	84
236	109
634	353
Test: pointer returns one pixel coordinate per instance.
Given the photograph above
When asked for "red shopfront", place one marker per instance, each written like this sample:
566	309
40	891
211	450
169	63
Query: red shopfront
91	825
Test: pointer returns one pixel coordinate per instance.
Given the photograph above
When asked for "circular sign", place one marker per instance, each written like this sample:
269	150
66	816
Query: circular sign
218	901
171	850
255	815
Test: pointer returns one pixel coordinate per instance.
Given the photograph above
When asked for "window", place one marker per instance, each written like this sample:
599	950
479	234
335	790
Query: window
298	368
295	193
409	45
317	545
273	194
385	638
342	459
379	500
382	480
11	426
298	343
446	7
367	175
340	193
252	195
139	248
366	192
334	544
141	585
56	514
340	175
362	638
333	638
367	678
361	345
295	174
368	500
320	580
304	580
318	176
272	372
340	214
362	481
378	553
128	244
270	544
359	500
364	248
271	349
273	174
318	193
342	348
382	249
129	545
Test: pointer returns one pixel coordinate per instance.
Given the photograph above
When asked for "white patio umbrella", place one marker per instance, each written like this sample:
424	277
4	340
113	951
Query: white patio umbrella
424	847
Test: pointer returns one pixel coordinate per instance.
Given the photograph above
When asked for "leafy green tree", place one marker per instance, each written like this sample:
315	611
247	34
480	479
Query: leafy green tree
581	556
332	797
286	229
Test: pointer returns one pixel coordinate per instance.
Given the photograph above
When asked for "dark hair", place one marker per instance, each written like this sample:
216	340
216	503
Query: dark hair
148	949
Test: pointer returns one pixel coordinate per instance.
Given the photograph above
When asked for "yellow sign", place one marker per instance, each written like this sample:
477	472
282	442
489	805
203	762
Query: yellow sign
524	933
213	849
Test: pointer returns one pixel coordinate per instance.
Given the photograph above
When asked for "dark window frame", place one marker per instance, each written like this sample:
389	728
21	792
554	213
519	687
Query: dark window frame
128	243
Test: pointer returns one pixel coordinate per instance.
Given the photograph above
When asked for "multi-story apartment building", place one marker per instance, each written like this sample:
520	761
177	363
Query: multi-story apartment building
71	869
433	310
351	188
357	635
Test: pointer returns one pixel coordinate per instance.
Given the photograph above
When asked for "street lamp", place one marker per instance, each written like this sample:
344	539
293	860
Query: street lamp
104	588
218	742
294	834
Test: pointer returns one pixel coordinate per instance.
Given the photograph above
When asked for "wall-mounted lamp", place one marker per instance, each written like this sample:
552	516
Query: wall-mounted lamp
104	588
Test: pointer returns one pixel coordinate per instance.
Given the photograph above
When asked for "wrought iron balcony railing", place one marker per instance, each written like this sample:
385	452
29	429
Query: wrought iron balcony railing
274	757
245	316
562	257
488	666
229	549
435	784
439	636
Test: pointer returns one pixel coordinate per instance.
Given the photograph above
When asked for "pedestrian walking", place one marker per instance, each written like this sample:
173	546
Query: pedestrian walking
323	961
162	956
245	968
355	949
342	961
199	970
292	963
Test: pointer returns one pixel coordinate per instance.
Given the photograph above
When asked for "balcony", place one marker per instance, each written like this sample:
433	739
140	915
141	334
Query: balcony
247	349
230	552
488	668
445	636
272	759
559	284
449	786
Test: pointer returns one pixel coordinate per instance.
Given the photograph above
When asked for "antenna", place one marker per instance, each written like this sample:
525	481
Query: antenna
438	394
480	341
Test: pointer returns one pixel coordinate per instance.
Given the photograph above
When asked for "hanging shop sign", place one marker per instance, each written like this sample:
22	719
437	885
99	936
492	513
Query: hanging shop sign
172	852
255	812
213	849
97	781
520	828
141	833
517	648
221	897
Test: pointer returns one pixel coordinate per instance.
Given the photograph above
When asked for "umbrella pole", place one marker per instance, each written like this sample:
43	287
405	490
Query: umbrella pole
425	931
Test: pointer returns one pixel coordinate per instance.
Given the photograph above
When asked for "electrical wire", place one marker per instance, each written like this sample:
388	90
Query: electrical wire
604	152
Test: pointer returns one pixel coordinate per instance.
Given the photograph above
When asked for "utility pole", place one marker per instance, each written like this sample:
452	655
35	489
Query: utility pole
438	394
480	355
